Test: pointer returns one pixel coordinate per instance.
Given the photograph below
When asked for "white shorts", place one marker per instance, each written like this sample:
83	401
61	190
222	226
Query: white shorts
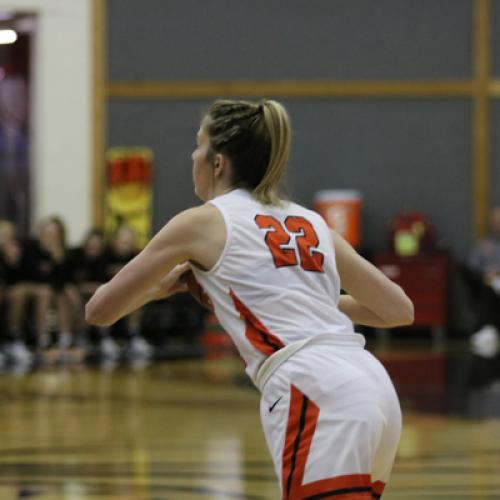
332	422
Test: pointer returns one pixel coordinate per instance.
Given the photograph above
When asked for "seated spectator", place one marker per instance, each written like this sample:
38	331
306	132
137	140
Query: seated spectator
88	270
15	271
53	269
485	256
484	279
44	277
6	231
123	249
88	264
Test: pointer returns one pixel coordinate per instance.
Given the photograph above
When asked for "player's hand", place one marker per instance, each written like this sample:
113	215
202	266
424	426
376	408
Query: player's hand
172	283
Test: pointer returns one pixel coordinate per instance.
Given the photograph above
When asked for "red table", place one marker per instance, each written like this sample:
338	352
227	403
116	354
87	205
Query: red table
424	278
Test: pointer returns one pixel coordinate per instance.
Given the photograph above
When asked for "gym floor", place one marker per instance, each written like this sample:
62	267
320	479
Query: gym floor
190	429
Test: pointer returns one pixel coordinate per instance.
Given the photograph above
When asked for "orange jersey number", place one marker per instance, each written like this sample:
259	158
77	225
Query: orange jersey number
306	242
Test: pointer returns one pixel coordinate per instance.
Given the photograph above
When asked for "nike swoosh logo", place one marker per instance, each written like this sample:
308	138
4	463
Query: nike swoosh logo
271	408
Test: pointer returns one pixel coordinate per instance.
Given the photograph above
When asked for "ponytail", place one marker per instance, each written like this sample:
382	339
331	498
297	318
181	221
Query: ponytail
277	123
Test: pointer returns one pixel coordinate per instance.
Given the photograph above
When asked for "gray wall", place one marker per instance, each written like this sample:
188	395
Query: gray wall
496	37
399	153
355	39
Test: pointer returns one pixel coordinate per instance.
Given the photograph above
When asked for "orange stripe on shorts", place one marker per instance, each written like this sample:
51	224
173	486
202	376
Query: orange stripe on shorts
303	417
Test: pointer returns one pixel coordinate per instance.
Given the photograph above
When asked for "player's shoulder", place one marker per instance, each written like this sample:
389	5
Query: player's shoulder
302	210
201	212
196	220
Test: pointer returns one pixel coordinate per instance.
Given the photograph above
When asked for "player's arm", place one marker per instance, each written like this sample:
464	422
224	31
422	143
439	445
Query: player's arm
373	299
153	274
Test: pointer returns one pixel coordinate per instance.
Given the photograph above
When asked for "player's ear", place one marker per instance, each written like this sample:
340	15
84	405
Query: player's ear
221	165
218	160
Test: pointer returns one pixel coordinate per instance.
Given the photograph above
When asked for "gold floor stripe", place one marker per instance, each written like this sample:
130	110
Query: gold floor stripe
494	88
291	89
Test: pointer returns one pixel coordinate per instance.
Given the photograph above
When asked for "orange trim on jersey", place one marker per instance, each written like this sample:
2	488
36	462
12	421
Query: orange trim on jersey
198	292
256	333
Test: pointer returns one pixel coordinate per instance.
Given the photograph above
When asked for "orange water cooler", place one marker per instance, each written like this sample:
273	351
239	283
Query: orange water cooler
341	209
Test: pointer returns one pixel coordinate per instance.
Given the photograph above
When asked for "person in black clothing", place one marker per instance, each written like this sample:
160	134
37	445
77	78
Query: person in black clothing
16	277
88	269
53	269
47	280
88	264
483	278
123	249
6	228
5	233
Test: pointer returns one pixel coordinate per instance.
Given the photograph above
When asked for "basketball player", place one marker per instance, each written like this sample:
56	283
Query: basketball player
273	271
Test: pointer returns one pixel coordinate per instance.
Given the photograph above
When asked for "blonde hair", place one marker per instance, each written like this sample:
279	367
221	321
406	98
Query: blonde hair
256	139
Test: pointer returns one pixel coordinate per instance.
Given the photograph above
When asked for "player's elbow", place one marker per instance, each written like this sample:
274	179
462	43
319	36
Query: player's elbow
96	315
407	314
401	313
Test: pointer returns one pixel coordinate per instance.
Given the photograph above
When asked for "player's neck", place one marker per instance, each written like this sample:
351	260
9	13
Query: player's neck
222	187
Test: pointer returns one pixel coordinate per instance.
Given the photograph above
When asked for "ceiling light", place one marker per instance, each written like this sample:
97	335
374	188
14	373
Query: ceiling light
7	36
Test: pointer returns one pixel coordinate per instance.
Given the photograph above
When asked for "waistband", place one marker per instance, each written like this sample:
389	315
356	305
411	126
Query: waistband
279	357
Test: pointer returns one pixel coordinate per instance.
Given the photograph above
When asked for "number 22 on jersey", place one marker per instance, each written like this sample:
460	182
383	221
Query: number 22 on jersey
278	236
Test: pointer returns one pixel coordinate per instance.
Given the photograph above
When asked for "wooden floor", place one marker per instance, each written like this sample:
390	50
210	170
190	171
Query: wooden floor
190	430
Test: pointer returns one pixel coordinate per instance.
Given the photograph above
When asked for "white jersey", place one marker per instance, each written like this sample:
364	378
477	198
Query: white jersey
276	281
